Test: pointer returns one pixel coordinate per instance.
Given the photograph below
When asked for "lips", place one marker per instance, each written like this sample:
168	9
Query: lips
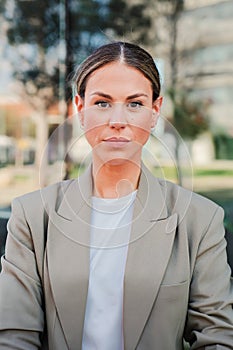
116	142
116	139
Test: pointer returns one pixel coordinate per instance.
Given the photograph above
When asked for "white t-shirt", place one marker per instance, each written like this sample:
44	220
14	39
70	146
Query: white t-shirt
110	232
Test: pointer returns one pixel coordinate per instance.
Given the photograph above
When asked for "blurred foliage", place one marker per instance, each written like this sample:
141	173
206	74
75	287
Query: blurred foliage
131	19
223	144
190	117
32	30
2	5
38	23
178	4
80	26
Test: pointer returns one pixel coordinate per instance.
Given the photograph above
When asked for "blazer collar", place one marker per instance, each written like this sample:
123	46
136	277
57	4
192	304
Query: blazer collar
78	196
151	241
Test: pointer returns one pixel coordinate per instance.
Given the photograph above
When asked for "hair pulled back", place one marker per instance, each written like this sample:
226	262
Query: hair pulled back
127	53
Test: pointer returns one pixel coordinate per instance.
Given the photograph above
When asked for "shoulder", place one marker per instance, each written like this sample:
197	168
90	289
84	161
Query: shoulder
188	204
42	198
178	200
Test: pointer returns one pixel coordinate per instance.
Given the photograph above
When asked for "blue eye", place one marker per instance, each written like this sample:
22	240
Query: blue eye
102	104
135	104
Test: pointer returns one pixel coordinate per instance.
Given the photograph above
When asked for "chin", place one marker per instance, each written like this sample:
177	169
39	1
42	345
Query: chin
116	161
120	161
119	158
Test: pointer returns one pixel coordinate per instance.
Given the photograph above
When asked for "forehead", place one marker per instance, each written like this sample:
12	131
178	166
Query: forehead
118	75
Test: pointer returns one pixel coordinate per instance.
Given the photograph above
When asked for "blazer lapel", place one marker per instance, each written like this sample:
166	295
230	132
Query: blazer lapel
68	257
151	242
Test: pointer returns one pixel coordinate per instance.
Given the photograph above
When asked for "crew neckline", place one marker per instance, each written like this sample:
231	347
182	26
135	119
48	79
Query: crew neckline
110	204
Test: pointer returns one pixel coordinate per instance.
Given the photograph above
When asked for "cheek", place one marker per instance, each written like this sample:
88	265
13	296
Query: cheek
93	120
92	133
142	127
141	134
92	127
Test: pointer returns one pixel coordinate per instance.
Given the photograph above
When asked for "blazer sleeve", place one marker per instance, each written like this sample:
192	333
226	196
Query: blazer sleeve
210	316
21	299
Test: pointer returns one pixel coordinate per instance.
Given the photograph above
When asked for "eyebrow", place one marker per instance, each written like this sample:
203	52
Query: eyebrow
102	94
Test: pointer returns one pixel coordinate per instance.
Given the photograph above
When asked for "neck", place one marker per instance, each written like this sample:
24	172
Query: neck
115	180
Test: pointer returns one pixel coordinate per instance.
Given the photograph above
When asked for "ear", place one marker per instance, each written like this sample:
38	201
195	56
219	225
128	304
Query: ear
156	110
79	102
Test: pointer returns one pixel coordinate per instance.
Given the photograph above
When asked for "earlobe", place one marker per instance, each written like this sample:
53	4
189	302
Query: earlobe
154	122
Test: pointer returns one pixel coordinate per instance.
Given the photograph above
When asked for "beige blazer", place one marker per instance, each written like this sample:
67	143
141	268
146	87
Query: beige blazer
177	281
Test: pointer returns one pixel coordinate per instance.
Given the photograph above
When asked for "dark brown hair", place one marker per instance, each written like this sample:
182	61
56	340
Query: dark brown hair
130	54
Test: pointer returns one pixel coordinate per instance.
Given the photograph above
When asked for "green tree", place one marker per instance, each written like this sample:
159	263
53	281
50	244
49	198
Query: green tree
191	116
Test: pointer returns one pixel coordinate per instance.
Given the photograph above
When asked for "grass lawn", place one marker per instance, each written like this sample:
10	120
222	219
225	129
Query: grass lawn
222	196
170	173
213	172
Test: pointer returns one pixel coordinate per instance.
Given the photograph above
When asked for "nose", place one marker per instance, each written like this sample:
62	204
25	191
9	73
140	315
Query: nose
118	118
117	125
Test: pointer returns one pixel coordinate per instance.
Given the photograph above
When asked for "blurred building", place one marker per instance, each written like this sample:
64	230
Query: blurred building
206	46
204	51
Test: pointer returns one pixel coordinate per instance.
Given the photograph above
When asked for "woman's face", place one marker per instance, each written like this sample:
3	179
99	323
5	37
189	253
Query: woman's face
117	113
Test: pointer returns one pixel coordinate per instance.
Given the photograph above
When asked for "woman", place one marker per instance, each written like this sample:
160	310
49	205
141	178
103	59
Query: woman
116	259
